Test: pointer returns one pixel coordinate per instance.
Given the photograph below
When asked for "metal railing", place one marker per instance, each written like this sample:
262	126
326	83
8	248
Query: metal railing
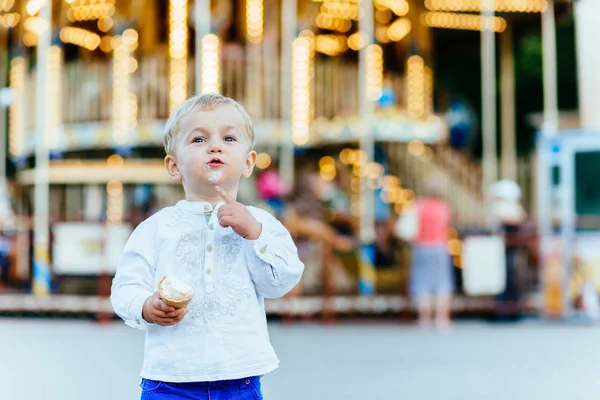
86	89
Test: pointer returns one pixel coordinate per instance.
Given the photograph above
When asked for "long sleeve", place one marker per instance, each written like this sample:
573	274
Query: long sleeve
133	282
273	258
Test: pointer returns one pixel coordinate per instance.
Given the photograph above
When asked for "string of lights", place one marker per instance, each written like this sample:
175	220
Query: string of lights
178	41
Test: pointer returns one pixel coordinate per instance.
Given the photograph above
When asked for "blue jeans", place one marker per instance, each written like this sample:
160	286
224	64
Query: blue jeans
237	389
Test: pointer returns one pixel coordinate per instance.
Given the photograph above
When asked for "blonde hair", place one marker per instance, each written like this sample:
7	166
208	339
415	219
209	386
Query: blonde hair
202	102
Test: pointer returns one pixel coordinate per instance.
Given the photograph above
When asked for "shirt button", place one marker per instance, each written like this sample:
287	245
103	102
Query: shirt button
137	321
247	381
211	226
209	248
206	208
263	250
208	271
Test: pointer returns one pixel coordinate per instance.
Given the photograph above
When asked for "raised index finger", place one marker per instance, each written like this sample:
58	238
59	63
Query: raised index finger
224	195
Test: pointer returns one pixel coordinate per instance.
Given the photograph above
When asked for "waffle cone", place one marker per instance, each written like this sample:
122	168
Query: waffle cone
178	302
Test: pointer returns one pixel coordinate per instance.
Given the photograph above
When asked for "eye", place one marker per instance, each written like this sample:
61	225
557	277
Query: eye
230	139
198	140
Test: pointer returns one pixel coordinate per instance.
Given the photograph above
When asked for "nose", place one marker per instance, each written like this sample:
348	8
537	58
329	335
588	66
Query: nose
215	147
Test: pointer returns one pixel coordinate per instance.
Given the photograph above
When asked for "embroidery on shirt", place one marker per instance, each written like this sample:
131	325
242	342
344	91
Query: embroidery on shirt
189	244
184	219
190	255
229	288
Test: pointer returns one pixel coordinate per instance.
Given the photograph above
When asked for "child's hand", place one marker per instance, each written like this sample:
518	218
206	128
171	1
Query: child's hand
235	215
156	311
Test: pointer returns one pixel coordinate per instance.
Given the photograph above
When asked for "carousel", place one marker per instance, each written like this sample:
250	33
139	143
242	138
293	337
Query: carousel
346	85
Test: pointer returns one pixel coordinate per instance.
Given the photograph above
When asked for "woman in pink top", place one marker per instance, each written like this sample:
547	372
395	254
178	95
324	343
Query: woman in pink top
432	278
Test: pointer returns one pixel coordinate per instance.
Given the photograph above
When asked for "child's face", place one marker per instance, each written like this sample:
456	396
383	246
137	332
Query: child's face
209	141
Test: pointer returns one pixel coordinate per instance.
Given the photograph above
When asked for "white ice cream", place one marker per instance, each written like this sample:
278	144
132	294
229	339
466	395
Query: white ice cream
173	288
214	176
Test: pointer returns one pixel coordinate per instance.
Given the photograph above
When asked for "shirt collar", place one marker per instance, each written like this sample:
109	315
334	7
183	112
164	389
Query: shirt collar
198	207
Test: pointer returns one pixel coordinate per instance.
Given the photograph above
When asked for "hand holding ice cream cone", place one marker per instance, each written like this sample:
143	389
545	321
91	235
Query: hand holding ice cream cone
174	292
168	305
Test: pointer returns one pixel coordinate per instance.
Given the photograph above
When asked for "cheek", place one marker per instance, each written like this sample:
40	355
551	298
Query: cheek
241	158
190	164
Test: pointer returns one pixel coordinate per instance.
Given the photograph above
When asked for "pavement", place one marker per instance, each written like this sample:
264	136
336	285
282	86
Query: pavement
77	359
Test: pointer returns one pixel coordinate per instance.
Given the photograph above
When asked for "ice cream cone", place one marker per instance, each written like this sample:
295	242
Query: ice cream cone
177	302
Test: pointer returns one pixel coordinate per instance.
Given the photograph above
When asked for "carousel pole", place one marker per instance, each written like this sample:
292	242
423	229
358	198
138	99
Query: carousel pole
3	144
289	26
488	96
202	18
254	36
5	209
549	130
550	124
41	254
178	41
367	277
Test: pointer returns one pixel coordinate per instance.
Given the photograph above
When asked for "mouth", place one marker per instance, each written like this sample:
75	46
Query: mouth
215	163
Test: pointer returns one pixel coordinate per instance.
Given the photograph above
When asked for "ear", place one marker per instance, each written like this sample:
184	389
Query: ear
172	167
250	162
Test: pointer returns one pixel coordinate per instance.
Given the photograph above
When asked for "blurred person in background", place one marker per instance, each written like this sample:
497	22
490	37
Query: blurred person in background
7	219
306	217
338	203
425	224
5	249
272	189
306	211
508	218
6	213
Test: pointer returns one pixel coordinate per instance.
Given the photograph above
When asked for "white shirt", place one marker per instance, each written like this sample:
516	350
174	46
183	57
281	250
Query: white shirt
224	335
